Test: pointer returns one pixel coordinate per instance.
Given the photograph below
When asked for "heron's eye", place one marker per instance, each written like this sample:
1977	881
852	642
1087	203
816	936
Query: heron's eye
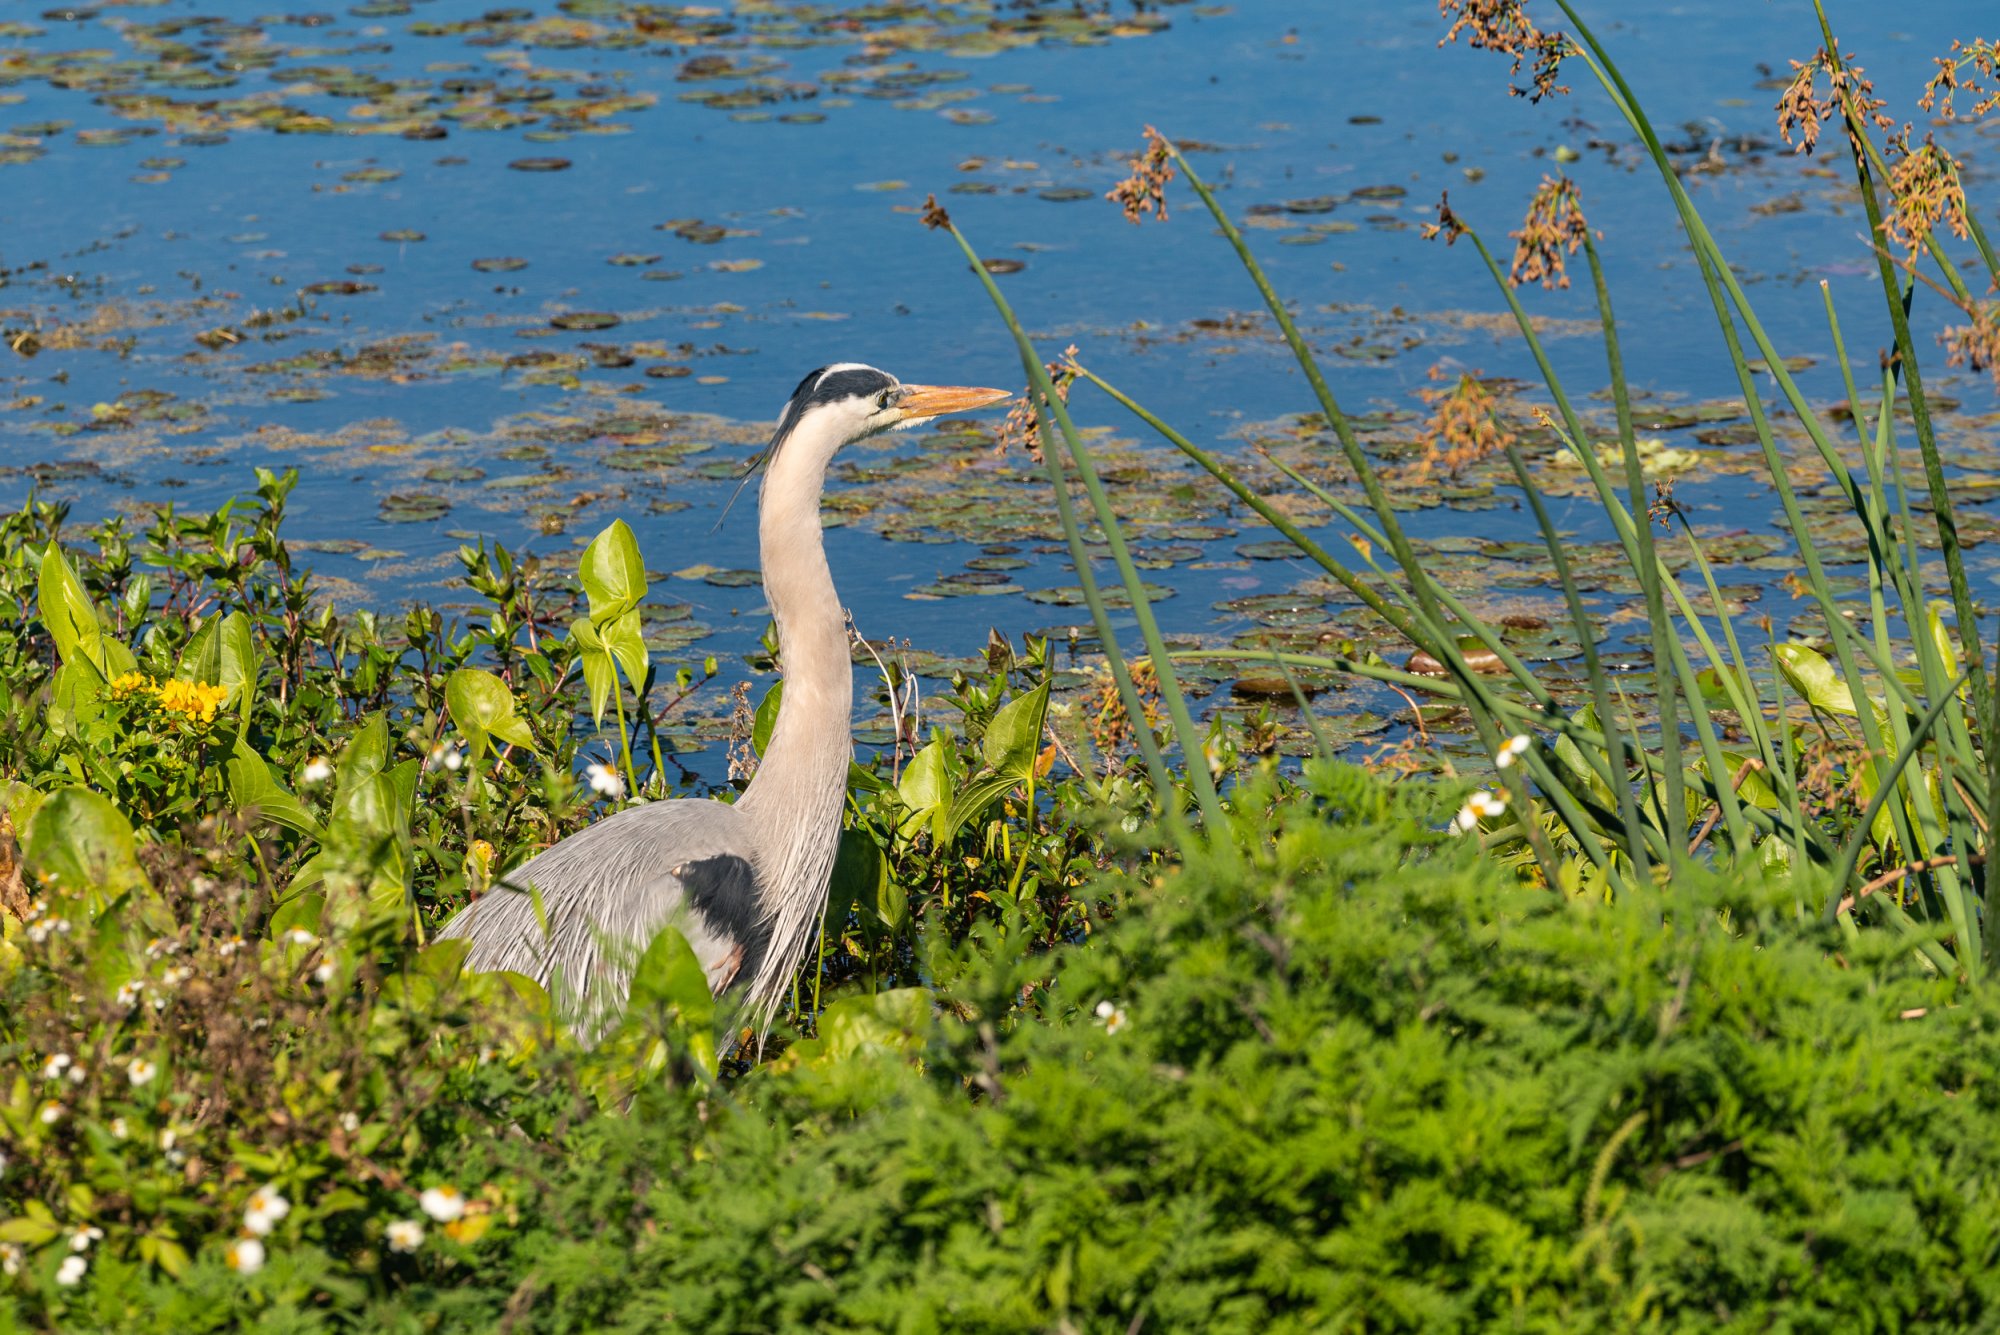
883	400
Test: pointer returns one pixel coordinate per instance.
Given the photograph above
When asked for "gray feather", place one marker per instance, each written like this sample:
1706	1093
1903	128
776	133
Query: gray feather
606	891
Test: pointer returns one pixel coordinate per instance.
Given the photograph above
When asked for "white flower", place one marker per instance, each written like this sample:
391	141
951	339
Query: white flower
1111	1016
53	1068
229	947
167	1138
128	992
11	1256
81	1238
177	975
443	1204
1480	806
299	936
141	1071
604	781
326	970
70	1273
405	1235
349	1123
245	1256
1512	750
79	1073
38	932
201	887
118	1128
317	770
160	947
453	758
51	1113
263	1211
447	755
62	926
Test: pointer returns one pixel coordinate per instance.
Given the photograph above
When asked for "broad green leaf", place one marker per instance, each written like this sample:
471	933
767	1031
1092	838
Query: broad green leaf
613	575
69	615
1814	678
366	752
1014	737
444	960
767	716
307	911
599	673
861	883
27	1232
251	785
884	1023
670	977
627	644
925	789
201	656
79	838
482	708
239	663
981	793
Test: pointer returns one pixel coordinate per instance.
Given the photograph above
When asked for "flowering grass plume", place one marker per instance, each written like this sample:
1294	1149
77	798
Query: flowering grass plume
1464	427
1972	68
1146	188
1802	110
1504	26
1925	190
1023	426
1554	227
1976	344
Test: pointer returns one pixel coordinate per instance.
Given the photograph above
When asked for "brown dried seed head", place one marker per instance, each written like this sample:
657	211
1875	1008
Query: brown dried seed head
934	215
1972	68
1146	187
1464	428
1554	227
1925	190
1022	428
1850	95
1447	226
1504	26
1976	345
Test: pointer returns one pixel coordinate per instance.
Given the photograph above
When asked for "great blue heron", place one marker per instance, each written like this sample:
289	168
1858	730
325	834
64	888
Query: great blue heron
745	883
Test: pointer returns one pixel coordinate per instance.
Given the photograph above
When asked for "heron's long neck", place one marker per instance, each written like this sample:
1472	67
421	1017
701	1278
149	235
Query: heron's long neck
795	799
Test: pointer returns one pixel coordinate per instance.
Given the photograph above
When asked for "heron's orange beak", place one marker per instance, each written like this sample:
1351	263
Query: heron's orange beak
919	401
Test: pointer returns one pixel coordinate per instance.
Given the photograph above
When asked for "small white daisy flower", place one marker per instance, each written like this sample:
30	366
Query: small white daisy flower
38	932
349	1123
405	1235
177	975
299	936
604	781
51	1113
1512	750
1480	806
53	1068
79	1073
70	1273
141	1071
318	770
118	1128
81	1237
245	1256
128	992
1111	1016
11	1257
443	1204
229	947
263	1211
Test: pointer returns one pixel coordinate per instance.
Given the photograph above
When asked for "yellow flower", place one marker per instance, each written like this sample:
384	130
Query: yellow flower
193	699
129	684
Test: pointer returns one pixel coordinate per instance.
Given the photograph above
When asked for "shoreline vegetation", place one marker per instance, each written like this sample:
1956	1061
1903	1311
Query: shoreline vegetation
1672	1015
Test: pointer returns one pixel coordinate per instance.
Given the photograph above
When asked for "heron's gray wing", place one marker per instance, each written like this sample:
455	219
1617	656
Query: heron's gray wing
607	890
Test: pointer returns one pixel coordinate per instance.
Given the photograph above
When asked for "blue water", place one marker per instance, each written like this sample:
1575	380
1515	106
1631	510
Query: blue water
249	218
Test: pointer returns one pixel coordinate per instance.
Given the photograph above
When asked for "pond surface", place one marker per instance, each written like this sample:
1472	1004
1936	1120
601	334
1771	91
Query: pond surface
508	273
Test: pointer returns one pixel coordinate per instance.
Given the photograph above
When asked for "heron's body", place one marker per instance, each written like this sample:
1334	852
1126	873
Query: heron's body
744	883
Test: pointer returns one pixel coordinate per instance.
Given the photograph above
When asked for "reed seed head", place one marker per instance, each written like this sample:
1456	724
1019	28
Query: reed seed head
1146	187
1504	26
1554	227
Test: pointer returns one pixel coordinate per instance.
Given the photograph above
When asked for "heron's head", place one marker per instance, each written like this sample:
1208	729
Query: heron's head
845	402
